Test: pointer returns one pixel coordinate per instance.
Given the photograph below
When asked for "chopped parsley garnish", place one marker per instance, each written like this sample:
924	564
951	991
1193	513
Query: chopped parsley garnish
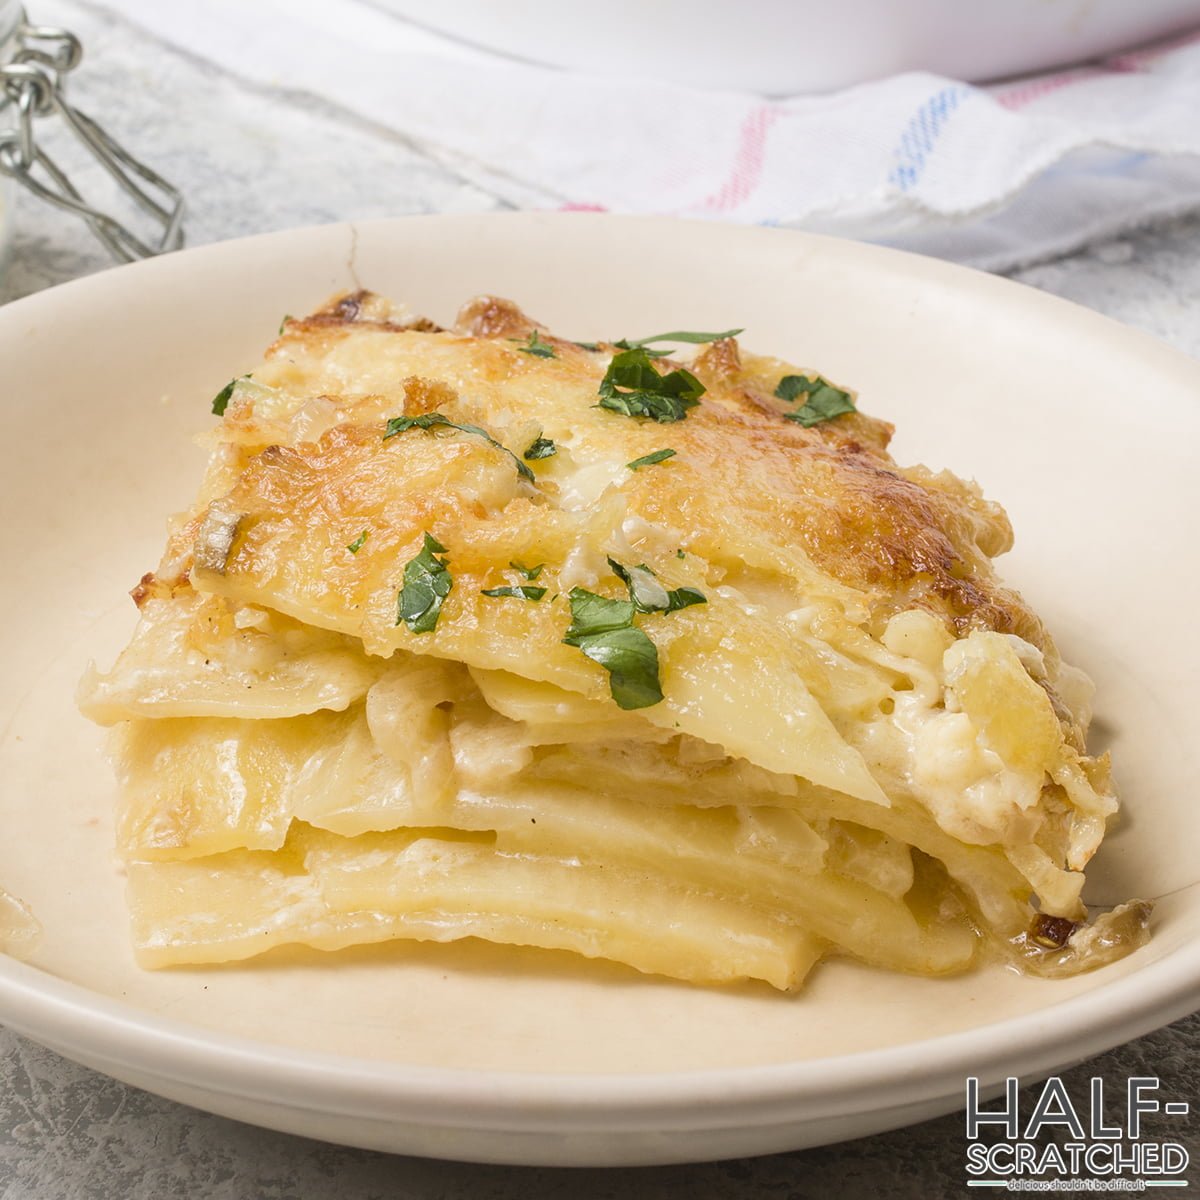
648	460
632	386
792	387
631	660
685	597
540	447
535	346
648	595
521	591
427	583
427	421
530	573
680	554
603	629
356	545
822	401
286	318
678	335
221	399
592	614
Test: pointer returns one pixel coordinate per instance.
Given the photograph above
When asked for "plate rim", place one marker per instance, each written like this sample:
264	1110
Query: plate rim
64	1014
49	1008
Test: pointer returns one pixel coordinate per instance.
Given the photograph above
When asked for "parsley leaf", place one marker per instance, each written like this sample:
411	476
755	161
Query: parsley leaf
535	346
603	629
822	402
678	335
540	447
530	573
522	591
427	421
632	386
685	597
356	545
592	614
792	387
648	460
822	406
631	660
284	323
221	399
648	595
427	583
680	554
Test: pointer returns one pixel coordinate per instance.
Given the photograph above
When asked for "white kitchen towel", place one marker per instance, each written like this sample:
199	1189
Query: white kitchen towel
992	176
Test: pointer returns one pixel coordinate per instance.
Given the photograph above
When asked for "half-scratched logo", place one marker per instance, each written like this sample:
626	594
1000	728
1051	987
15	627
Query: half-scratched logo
1059	1147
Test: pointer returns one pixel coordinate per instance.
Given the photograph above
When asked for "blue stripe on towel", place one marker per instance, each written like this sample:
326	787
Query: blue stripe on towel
921	133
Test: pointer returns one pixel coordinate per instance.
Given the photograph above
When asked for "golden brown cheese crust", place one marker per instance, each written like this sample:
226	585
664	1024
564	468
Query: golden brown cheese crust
760	506
745	483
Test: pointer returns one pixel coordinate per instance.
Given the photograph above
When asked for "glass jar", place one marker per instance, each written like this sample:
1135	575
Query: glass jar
10	17
34	63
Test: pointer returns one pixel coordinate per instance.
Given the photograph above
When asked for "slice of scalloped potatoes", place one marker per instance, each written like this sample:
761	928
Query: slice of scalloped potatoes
358	705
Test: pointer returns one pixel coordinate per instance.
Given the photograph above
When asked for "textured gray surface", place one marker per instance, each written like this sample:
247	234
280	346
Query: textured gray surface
251	160
67	1133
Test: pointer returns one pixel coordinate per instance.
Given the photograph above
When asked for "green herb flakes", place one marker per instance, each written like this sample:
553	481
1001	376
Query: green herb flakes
521	592
221	399
679	335
603	629
540	447
355	546
648	460
792	387
426	421
822	402
535	346
685	597
596	614
530	573
648	595
427	582
631	660
633	387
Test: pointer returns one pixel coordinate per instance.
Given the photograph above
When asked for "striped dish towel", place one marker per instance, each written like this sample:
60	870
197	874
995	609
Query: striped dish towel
995	176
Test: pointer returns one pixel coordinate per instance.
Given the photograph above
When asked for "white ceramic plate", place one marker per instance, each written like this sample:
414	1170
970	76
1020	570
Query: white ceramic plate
1089	433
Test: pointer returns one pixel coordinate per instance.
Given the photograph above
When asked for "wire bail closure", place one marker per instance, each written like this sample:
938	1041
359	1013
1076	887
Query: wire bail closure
33	84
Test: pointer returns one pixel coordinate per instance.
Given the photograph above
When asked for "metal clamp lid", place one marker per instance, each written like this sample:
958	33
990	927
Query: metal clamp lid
31	81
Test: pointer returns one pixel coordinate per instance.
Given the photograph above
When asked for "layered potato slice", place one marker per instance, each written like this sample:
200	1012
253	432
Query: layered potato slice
434	885
486	633
192	655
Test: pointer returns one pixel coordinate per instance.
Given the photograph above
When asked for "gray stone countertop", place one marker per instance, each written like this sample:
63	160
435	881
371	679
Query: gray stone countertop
68	1133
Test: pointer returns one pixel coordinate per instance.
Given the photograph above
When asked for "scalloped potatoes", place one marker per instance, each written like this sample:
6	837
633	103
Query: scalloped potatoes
485	633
